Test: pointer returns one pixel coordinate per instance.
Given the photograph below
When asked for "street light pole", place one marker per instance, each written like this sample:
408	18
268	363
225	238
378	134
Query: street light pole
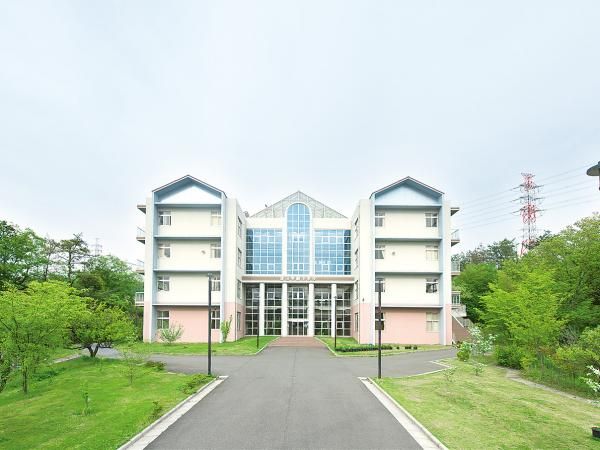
379	324
334	322
209	323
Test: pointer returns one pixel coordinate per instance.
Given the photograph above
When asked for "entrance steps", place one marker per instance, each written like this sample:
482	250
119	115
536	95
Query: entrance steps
297	341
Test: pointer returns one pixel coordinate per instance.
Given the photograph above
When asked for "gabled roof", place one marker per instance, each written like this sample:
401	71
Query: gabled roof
407	181
317	208
187	180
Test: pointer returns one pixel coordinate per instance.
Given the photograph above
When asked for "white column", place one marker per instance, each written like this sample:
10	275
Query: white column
261	310
284	310
333	294
311	309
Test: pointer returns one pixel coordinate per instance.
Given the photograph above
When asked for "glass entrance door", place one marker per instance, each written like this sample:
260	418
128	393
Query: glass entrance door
298	311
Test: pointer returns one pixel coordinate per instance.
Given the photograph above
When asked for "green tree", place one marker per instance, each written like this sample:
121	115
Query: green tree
72	254
501	251
21	255
34	322
101	327
473	283
522	308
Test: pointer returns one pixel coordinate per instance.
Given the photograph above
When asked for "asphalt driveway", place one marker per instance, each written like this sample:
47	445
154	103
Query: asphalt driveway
289	397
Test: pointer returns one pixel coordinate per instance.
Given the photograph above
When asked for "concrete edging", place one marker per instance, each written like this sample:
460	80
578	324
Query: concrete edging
155	429
419	433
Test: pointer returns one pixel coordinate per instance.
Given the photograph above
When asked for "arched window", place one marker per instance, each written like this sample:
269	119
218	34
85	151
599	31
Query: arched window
298	239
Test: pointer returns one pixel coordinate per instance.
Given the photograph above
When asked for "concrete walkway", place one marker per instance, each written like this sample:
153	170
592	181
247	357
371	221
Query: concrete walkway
289	397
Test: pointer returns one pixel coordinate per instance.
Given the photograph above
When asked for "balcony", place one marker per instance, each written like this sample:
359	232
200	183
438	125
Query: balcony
139	299
455	268
454	237
138	266
456	297
141	235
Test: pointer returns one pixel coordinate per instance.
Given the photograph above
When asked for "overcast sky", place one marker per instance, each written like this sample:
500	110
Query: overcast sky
100	102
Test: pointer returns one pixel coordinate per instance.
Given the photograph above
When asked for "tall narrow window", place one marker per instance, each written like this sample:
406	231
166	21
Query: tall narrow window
431	285
164	250
162	320
215	217
215	250
163	283
298	239
379	251
379	218
379	284
356	258
239	227
239	257
239	289
356	293
164	217
238	320
432	321
215	282
431	252
431	220
215	318
356	322
356	229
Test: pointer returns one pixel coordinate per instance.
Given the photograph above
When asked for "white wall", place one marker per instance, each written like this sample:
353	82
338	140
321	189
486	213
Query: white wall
407	290
406	257
406	223
187	289
189	222
189	255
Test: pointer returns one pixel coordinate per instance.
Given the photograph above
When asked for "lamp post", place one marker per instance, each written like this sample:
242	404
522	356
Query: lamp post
209	323
334	322
594	171
379	326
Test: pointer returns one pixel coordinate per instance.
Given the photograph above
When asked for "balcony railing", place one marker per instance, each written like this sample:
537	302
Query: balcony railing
138	266
140	234
454	237
139	299
456	298
455	267
459	310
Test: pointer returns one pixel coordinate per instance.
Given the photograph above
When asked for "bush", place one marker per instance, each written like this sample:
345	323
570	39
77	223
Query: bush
191	386
590	340
158	365
573	360
510	355
171	334
362	348
464	351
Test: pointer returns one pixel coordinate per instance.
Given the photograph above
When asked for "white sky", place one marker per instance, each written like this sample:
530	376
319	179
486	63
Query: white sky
100	102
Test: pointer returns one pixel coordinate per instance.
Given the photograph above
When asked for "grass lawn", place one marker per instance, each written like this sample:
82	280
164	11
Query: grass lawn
398	348
490	411
243	346
50	416
64	352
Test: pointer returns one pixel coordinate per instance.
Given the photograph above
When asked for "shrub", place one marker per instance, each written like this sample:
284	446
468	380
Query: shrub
171	334
362	348
573	360
225	327
590	340
157	410
593	380
478	368
449	374
158	365
510	355
481	344
192	385
464	351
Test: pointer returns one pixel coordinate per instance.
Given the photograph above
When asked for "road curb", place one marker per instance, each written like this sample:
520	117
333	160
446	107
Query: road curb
155	429
415	428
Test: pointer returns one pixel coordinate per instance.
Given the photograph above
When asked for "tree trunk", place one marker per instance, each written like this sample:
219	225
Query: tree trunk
95	350
24	379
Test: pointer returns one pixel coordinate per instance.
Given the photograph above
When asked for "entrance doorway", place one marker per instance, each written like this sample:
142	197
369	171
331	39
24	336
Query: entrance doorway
298	311
298	328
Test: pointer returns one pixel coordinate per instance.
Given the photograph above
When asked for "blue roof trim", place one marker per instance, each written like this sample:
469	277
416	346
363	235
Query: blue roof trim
187	180
409	181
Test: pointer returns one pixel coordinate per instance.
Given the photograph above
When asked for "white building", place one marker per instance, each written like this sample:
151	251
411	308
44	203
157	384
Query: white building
280	270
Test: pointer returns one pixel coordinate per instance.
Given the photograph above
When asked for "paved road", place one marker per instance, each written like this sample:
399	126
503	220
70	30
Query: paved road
292	398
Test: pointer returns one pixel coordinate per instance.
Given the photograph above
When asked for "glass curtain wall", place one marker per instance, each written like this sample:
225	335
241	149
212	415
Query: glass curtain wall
298	311
332	252
322	311
298	239
343	311
263	251
272	310
252	301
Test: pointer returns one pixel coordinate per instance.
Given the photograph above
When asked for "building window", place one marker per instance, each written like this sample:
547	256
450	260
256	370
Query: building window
332	252
343	310
164	217
298	239
215	318
263	251
239	289
239	257
356	258
164	250
163	283
356	290
356	228
238	320
431	252
162	320
215	217
252	300
356	322
379	218
272	310
322	311
379	284
379	251
433	321
215	282
431	220
239	227
215	250
431	285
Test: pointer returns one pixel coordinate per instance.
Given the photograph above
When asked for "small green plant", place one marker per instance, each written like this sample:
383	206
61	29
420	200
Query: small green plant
86	400
225	327
464	351
133	361
593	382
159	366
157	410
449	374
171	335
192	385
478	368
